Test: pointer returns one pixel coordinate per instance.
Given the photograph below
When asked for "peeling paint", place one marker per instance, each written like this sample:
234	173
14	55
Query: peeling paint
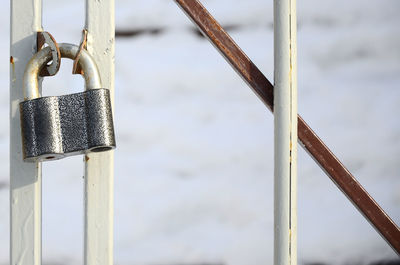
25	231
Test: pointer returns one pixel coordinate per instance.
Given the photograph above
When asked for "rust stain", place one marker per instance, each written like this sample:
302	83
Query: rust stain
13	69
77	69
86	158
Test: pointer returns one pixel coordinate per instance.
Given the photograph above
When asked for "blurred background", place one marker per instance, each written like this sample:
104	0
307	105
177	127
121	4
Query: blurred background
194	163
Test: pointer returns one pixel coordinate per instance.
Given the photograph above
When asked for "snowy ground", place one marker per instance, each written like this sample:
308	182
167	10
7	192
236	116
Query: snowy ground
194	164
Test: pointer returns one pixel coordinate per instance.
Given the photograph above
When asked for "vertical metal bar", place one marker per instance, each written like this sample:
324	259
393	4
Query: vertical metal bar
294	132
99	167
25	178
285	136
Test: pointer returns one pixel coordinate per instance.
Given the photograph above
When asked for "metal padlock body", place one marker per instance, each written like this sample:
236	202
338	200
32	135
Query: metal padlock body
58	126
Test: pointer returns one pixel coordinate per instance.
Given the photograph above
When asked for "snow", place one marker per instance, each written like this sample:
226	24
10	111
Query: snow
194	163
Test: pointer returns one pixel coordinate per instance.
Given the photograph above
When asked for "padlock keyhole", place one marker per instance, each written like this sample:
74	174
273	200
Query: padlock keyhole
100	149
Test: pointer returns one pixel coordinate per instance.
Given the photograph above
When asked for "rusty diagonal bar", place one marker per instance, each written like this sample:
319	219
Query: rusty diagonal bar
307	138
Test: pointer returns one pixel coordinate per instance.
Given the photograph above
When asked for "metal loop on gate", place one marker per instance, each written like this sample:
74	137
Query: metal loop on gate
76	69
43	38
40	59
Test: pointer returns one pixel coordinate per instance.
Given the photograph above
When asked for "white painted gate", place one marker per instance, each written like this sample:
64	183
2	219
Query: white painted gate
98	197
98	245
25	178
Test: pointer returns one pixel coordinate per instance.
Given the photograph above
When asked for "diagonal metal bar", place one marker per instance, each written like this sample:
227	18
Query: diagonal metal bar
324	157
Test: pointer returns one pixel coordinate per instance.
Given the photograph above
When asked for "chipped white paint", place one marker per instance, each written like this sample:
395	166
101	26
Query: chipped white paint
285	111
99	167
25	178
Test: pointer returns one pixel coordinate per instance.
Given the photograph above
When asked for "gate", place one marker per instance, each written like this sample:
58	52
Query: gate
25	178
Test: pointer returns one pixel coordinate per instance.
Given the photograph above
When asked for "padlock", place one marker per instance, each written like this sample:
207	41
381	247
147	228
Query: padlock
58	126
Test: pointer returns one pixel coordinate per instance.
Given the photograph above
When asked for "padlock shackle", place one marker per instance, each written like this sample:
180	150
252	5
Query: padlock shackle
41	58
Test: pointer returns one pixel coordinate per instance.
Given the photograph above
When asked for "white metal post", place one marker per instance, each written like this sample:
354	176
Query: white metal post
99	167
25	178
285	111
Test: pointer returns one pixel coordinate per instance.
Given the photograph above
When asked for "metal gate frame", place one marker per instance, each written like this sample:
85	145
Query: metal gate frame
25	178
308	139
